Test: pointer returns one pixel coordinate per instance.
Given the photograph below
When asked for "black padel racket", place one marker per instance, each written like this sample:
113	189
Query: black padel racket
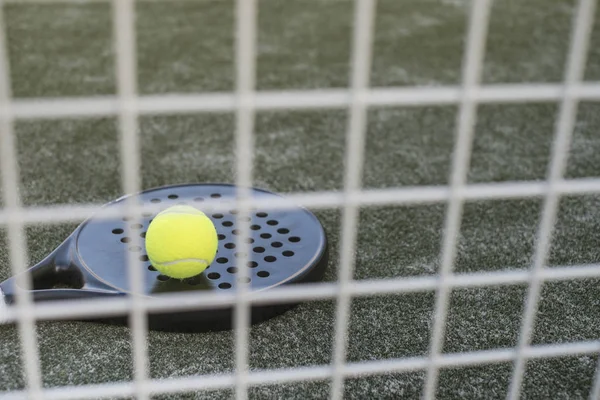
288	246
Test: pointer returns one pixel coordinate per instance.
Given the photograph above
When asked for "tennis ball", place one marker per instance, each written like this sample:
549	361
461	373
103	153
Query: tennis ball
181	242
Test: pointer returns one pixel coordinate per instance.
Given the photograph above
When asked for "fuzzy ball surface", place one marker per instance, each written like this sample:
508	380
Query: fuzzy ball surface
181	242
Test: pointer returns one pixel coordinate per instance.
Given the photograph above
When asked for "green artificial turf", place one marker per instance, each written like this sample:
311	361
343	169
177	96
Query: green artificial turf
188	47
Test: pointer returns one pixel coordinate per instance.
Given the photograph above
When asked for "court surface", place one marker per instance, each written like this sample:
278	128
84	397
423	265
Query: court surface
187	47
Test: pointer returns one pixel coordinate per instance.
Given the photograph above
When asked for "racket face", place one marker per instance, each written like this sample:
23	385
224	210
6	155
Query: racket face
286	246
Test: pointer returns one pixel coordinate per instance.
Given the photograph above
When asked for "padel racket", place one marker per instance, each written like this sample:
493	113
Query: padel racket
287	246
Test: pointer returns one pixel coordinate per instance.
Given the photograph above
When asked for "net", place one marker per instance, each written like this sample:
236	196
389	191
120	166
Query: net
245	102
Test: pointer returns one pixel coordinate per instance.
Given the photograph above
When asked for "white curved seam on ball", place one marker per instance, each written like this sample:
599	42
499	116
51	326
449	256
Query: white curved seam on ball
166	264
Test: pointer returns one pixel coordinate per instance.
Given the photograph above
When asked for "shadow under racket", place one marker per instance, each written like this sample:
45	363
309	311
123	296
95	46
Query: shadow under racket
286	246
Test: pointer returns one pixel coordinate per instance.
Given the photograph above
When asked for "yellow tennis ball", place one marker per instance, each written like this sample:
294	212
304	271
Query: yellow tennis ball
181	242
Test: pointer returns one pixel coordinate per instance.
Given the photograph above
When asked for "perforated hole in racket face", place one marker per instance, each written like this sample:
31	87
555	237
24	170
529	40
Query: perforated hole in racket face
284	245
